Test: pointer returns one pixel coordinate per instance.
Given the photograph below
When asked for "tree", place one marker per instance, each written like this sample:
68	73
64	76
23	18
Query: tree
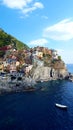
59	57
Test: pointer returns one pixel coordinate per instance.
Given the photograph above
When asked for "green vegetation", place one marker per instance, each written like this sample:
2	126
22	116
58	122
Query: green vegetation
6	39
59	57
2	53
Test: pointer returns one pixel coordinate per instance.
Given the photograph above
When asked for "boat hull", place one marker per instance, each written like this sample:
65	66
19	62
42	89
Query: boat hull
61	106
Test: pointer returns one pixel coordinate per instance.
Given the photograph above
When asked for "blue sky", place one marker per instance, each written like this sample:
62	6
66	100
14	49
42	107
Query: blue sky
46	23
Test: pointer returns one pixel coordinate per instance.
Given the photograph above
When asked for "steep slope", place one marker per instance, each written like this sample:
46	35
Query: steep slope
6	39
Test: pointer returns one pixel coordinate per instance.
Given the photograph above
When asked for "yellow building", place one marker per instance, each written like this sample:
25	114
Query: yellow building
1	67
40	54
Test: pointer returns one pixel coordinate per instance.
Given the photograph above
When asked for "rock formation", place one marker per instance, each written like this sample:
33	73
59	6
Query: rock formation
50	73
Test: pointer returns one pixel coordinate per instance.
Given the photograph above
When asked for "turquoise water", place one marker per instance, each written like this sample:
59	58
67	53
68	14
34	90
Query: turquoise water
37	110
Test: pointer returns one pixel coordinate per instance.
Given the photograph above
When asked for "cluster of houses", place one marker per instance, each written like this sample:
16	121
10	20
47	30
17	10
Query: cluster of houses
23	60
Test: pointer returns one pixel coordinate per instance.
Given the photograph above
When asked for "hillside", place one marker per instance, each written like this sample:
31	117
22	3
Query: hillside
7	39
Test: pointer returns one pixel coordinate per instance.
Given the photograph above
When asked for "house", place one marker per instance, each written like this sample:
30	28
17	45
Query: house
40	54
13	67
28	69
1	67
54	54
35	53
17	63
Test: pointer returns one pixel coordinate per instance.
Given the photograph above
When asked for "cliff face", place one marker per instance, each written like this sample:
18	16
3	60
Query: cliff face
41	73
48	73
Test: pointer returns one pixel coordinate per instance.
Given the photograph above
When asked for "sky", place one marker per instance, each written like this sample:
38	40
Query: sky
47	23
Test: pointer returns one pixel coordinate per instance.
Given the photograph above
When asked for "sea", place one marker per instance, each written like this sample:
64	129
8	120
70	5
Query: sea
36	110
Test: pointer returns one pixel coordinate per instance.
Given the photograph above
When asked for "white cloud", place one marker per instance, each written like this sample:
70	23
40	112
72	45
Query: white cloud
18	4
25	6
28	10
38	42
35	6
38	5
63	30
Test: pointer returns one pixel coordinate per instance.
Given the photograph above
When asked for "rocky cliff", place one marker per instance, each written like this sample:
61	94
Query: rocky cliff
49	73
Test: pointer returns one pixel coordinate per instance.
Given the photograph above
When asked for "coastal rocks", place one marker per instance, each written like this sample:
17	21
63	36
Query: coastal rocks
48	73
70	77
18	83
15	85
29	82
63	73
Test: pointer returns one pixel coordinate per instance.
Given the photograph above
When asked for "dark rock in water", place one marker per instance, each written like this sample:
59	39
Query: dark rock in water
30	89
71	77
67	77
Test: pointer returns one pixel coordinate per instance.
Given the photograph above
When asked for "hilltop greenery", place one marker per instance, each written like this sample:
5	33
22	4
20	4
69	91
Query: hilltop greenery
7	39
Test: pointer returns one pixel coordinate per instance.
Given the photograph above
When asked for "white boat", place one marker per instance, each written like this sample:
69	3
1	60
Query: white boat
61	106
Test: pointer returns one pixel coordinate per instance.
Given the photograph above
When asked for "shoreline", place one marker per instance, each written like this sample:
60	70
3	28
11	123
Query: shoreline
22	84
18	82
